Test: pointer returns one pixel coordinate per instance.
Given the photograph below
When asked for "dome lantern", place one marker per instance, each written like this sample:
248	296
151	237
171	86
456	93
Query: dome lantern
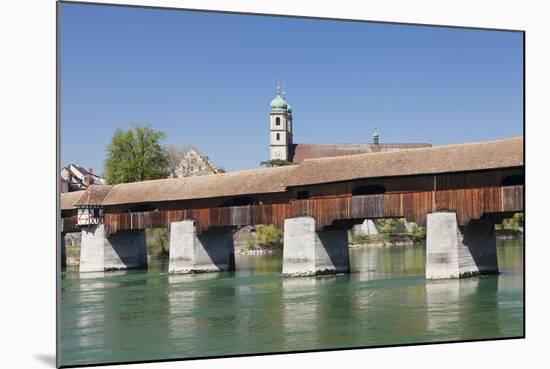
279	102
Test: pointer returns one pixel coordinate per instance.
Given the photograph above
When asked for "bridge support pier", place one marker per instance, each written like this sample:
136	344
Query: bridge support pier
454	251
210	251
308	252
122	250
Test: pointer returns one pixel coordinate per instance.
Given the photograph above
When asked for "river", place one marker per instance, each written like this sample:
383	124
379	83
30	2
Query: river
150	315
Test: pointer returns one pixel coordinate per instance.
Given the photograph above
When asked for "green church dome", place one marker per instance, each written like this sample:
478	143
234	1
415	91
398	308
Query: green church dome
279	103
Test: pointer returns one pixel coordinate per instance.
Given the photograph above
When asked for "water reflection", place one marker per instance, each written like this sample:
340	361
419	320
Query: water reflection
443	301
138	315
185	299
299	303
376	262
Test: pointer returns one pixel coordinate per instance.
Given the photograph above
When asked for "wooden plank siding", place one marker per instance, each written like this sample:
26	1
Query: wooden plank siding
468	203
69	224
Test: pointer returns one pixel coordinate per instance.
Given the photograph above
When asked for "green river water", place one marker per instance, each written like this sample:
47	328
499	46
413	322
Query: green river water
150	315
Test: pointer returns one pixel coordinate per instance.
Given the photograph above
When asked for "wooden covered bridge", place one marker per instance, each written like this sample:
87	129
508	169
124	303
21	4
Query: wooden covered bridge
458	191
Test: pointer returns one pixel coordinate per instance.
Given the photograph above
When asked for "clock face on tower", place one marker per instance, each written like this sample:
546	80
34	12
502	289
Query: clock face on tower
278	154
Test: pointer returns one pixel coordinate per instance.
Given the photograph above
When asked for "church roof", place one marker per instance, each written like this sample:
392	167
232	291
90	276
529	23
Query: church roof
300	152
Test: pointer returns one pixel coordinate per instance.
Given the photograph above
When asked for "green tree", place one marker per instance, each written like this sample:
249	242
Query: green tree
275	163
135	155
267	235
387	225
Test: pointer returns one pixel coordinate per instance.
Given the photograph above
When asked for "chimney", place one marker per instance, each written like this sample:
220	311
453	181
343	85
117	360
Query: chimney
88	178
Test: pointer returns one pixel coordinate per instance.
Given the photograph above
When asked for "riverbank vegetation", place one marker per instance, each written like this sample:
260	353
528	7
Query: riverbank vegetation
72	254
511	227
158	242
389	232
266	236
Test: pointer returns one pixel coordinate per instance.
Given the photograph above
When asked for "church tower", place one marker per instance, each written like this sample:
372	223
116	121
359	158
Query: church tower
280	131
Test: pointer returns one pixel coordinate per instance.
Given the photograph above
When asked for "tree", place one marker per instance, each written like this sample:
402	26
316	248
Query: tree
387	225
275	163
135	155
267	235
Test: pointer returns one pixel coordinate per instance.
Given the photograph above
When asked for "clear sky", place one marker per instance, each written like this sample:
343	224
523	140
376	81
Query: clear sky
207	79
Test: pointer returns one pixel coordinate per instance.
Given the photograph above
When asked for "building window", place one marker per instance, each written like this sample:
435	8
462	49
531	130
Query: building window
302	195
515	180
277	121
368	190
278	136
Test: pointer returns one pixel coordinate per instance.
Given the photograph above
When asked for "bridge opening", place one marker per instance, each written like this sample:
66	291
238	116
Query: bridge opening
368	190
241	201
515	180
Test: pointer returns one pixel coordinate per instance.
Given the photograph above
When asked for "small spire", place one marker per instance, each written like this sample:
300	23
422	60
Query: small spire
278	86
375	136
283	88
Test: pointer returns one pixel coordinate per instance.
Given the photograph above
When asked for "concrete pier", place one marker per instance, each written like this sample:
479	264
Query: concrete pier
366	228
309	252
458	252
210	251
122	250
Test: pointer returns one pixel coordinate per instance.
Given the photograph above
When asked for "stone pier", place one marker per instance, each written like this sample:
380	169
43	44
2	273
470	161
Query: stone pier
454	251
209	251
122	250
309	252
366	228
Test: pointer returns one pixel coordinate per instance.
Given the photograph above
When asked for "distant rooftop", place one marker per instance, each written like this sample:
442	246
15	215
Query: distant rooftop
76	178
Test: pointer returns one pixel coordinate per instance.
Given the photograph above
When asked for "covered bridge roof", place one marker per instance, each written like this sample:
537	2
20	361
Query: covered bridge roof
504	153
431	160
246	182
94	195
68	199
301	152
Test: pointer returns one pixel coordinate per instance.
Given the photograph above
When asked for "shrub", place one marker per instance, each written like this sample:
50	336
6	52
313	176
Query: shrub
267	235
158	241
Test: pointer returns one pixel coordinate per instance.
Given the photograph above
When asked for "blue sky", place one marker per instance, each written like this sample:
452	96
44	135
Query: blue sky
207	79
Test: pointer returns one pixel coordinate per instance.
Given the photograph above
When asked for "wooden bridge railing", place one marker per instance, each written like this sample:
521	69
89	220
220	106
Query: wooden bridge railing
470	203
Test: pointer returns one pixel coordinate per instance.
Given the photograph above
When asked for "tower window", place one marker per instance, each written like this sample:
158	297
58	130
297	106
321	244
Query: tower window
277	122
278	136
